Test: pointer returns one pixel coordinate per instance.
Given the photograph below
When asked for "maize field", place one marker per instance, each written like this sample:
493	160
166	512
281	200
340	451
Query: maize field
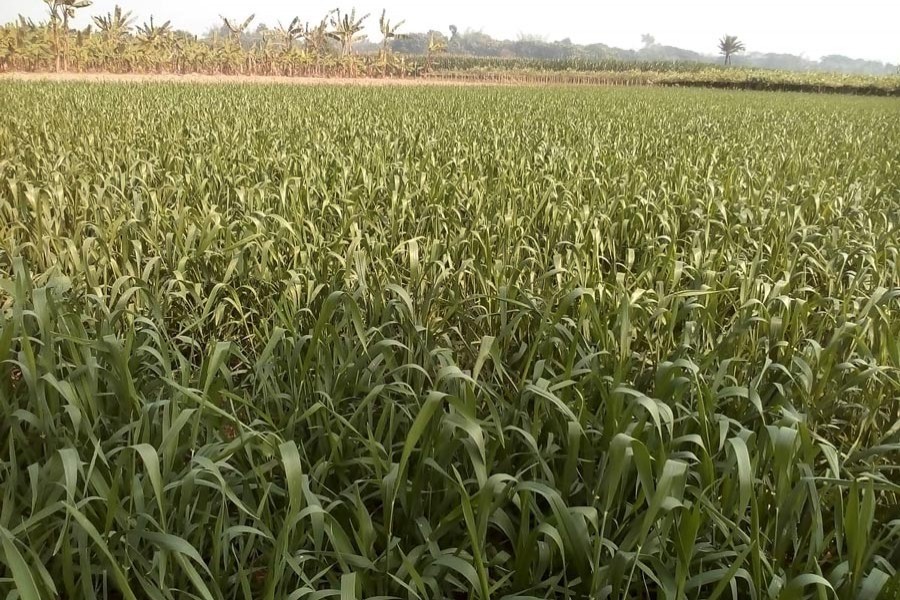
302	343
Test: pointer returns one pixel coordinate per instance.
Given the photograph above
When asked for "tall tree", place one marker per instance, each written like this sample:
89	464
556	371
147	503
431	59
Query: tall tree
729	46
455	42
648	40
346	27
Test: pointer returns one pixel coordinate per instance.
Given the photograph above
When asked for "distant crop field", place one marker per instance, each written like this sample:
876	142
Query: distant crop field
447	342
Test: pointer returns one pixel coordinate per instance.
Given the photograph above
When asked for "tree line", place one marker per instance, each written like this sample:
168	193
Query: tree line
116	42
332	45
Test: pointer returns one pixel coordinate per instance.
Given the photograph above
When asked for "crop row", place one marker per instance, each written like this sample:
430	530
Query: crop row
278	342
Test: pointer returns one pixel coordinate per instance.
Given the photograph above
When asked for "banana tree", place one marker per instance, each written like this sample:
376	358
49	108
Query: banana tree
53	7
115	25
60	13
88	48
317	42
346	27
192	55
7	46
237	29
295	31
230	59
234	54
34	44
155	40
261	56
114	29
388	34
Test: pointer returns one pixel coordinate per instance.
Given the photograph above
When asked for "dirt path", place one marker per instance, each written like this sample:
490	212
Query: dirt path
198	78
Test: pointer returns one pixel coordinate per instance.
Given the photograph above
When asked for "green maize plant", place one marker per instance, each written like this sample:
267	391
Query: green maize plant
301	343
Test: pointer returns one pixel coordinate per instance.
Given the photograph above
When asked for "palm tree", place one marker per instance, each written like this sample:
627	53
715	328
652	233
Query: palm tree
729	46
388	33
346	28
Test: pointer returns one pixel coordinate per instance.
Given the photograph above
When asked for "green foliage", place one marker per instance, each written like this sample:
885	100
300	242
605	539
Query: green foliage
279	342
328	49
729	46
679	74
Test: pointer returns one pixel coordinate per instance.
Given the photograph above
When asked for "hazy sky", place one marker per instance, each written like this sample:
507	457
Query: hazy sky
857	28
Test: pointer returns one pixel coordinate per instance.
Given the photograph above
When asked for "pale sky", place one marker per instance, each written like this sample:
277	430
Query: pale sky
856	28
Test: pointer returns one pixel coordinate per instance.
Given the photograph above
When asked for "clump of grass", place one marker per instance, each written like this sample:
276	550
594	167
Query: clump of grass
265	342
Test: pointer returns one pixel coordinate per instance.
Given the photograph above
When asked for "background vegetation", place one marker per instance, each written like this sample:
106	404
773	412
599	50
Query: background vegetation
336	45
271	342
